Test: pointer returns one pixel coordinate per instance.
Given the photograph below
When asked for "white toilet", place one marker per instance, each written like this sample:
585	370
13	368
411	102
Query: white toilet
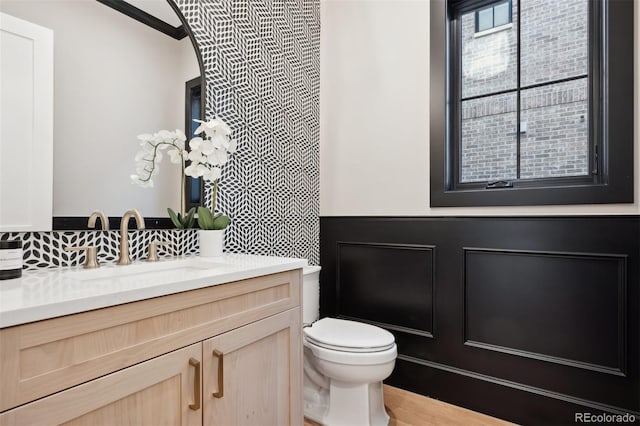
345	363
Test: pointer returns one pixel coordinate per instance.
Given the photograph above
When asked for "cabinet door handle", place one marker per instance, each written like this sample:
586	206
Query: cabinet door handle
196	384
220	357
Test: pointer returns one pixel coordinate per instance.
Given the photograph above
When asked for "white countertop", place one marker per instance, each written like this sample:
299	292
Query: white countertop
49	293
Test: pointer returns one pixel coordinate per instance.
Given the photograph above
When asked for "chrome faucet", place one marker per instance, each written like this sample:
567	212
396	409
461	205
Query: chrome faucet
124	258
97	214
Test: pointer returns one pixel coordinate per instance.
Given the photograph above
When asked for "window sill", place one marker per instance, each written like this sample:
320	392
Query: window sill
533	196
493	30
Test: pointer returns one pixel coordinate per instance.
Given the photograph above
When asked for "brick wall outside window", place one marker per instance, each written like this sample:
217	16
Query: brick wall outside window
554	45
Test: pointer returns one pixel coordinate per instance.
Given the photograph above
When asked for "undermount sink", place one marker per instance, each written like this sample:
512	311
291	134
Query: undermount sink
149	269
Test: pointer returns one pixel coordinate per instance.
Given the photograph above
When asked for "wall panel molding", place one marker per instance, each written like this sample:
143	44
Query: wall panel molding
615	285
586	404
535	318
388	267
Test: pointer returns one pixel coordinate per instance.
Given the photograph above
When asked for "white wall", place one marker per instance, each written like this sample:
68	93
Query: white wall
115	78
374	115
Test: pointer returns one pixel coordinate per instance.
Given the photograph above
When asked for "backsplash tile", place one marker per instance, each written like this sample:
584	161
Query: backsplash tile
46	249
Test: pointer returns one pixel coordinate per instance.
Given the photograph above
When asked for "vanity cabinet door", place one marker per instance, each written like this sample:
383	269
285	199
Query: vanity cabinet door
253	375
162	391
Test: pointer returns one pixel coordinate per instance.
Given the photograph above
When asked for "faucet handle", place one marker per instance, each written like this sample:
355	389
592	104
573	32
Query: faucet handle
91	255
153	250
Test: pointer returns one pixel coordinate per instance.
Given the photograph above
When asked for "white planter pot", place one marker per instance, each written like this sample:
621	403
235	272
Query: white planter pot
211	242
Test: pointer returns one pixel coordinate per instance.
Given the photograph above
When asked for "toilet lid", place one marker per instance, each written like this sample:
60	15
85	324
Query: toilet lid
348	336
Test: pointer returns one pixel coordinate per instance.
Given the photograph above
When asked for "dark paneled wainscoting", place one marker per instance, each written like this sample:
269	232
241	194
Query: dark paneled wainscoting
530	319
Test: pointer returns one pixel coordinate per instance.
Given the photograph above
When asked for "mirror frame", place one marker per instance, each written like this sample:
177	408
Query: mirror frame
79	223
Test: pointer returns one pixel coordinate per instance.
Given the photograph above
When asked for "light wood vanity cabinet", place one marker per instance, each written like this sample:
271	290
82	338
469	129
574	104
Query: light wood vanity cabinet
154	392
224	355
250	374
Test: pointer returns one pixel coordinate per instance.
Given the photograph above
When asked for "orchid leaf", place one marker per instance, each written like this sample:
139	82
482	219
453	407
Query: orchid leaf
221	222
190	219
205	220
174	218
182	222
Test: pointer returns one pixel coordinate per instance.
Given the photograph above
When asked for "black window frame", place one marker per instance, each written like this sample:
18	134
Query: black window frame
612	128
492	6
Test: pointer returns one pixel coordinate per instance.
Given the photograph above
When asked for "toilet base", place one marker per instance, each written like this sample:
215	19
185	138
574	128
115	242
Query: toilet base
336	407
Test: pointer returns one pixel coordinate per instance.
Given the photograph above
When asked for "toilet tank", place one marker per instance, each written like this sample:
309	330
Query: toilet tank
310	294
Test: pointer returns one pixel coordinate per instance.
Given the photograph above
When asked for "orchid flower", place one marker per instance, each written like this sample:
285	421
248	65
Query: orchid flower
209	153
148	160
150	155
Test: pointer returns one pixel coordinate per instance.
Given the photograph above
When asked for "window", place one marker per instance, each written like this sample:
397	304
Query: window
537	76
493	16
542	114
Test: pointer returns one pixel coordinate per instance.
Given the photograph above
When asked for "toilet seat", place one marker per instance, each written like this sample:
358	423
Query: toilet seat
352	358
348	336
349	348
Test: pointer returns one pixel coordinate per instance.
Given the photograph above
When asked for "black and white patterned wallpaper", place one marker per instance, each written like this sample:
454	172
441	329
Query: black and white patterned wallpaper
262	67
262	70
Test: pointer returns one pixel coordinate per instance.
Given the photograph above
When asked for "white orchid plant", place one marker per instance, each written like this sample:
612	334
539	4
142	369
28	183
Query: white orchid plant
209	153
148	165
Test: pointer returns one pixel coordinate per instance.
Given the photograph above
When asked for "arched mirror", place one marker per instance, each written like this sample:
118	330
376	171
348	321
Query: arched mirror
121	68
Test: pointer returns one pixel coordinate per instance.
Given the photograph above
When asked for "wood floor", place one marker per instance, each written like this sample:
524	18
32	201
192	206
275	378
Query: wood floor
410	409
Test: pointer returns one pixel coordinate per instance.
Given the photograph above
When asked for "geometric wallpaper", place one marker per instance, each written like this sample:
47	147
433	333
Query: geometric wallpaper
262	73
